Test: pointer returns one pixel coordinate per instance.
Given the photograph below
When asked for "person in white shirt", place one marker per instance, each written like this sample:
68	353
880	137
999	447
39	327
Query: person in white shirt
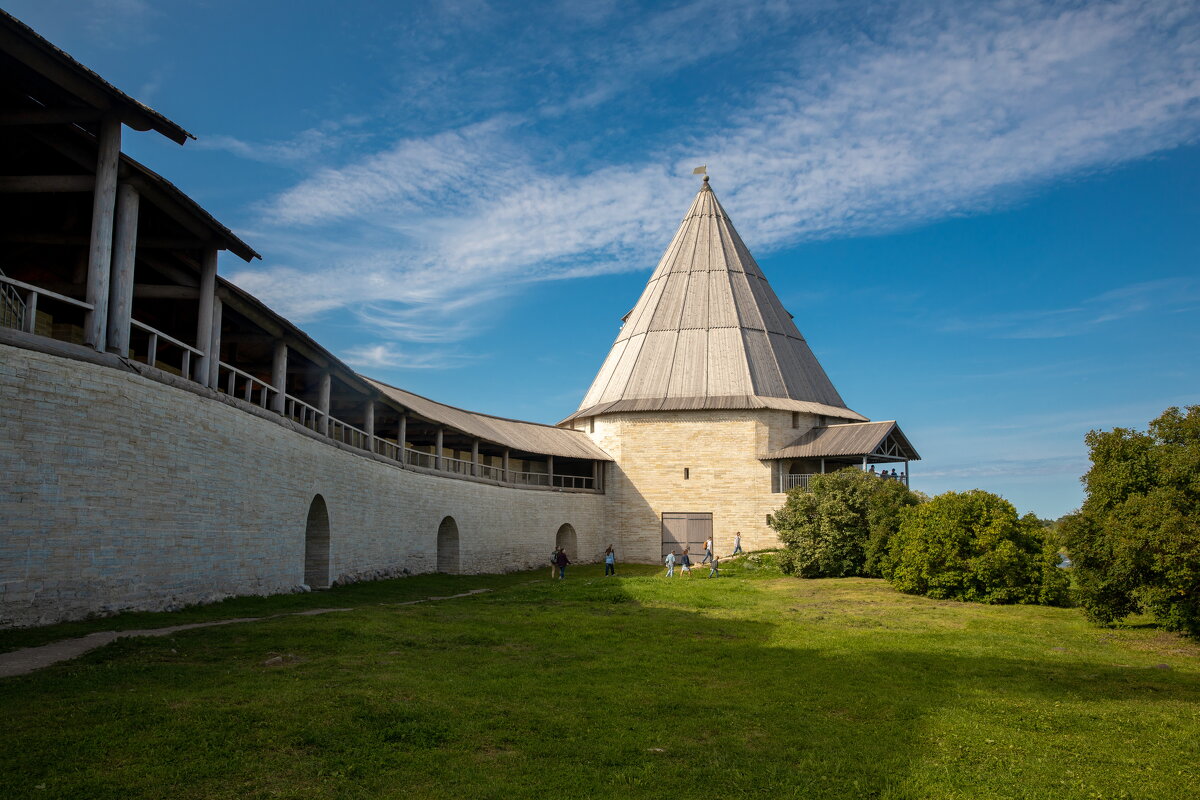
737	543
670	562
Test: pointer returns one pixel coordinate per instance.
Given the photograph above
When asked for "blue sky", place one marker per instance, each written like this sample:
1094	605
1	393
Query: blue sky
984	216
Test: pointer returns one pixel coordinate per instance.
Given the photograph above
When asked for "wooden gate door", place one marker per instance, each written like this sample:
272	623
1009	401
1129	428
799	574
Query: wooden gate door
689	529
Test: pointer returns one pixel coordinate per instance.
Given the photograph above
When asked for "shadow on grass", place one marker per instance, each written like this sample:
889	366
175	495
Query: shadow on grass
583	688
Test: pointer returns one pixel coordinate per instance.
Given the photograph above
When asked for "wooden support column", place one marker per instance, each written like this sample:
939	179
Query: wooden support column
323	391
204	317
475	457
595	474
822	466
906	473
214	347
402	435
369	422
504	469
550	468
437	456
124	252
279	361
104	201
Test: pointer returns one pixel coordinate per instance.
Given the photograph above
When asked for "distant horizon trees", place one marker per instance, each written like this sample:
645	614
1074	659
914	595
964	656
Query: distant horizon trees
1135	542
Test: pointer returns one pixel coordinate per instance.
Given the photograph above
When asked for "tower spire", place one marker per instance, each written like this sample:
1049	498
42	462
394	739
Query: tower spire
709	332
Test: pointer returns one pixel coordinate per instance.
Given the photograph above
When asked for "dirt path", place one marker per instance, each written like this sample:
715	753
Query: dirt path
22	662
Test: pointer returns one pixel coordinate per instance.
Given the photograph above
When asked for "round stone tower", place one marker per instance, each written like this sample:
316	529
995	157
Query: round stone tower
706	381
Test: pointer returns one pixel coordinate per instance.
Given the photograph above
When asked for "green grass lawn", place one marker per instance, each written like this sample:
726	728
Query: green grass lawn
753	685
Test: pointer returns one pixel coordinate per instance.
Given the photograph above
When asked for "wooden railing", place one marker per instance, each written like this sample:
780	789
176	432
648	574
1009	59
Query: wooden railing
155	336
27	306
18	309
574	481
529	478
347	434
416	458
387	448
12	306
301	412
793	482
236	383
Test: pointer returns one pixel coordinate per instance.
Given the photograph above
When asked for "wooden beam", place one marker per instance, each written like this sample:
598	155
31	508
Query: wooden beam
204	315
323	402
504	468
32	184
437	455
49	116
214	347
474	457
162	291
403	433
279	361
171	272
104	203
120	301
23	237
369	421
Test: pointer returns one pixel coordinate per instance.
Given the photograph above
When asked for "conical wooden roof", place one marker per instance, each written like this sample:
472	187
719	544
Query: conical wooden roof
709	332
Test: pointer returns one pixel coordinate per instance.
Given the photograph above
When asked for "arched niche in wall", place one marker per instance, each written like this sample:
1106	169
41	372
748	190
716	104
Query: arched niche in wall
567	540
447	547
316	545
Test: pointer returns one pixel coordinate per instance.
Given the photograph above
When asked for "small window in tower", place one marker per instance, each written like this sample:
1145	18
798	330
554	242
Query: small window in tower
822	421
591	424
795	419
687	473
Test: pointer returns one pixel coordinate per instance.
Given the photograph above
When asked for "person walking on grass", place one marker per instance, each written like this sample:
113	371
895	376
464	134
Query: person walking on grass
708	551
561	562
737	543
610	562
554	561
685	564
670	562
714	571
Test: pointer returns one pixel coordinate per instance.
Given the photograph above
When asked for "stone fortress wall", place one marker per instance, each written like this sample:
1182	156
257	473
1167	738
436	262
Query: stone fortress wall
123	491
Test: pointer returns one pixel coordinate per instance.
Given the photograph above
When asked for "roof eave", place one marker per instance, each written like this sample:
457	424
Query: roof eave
27	45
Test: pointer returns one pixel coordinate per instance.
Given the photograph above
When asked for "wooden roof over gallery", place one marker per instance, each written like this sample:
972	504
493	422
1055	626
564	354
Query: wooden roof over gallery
882	439
709	333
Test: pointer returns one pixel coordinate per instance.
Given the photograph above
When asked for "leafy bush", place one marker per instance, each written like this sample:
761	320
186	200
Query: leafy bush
842	526
1135	543
973	546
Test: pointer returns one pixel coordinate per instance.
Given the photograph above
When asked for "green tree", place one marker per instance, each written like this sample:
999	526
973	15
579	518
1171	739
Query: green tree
841	526
1135	543
973	546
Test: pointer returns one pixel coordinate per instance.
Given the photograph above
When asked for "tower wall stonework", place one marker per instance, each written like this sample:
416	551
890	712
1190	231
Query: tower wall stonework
121	492
725	478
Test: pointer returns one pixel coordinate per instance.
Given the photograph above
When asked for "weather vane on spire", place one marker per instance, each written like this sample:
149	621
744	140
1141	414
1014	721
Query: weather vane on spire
701	170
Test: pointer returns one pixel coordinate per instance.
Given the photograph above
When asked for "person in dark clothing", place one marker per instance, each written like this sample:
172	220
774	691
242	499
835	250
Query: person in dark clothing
610	562
561	562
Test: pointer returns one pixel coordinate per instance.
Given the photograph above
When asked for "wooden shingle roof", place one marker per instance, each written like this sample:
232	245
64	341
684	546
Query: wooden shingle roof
709	332
882	438
529	437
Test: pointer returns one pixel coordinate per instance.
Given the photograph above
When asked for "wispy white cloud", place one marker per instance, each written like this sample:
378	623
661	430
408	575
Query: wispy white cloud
945	110
299	149
1167	295
389	356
